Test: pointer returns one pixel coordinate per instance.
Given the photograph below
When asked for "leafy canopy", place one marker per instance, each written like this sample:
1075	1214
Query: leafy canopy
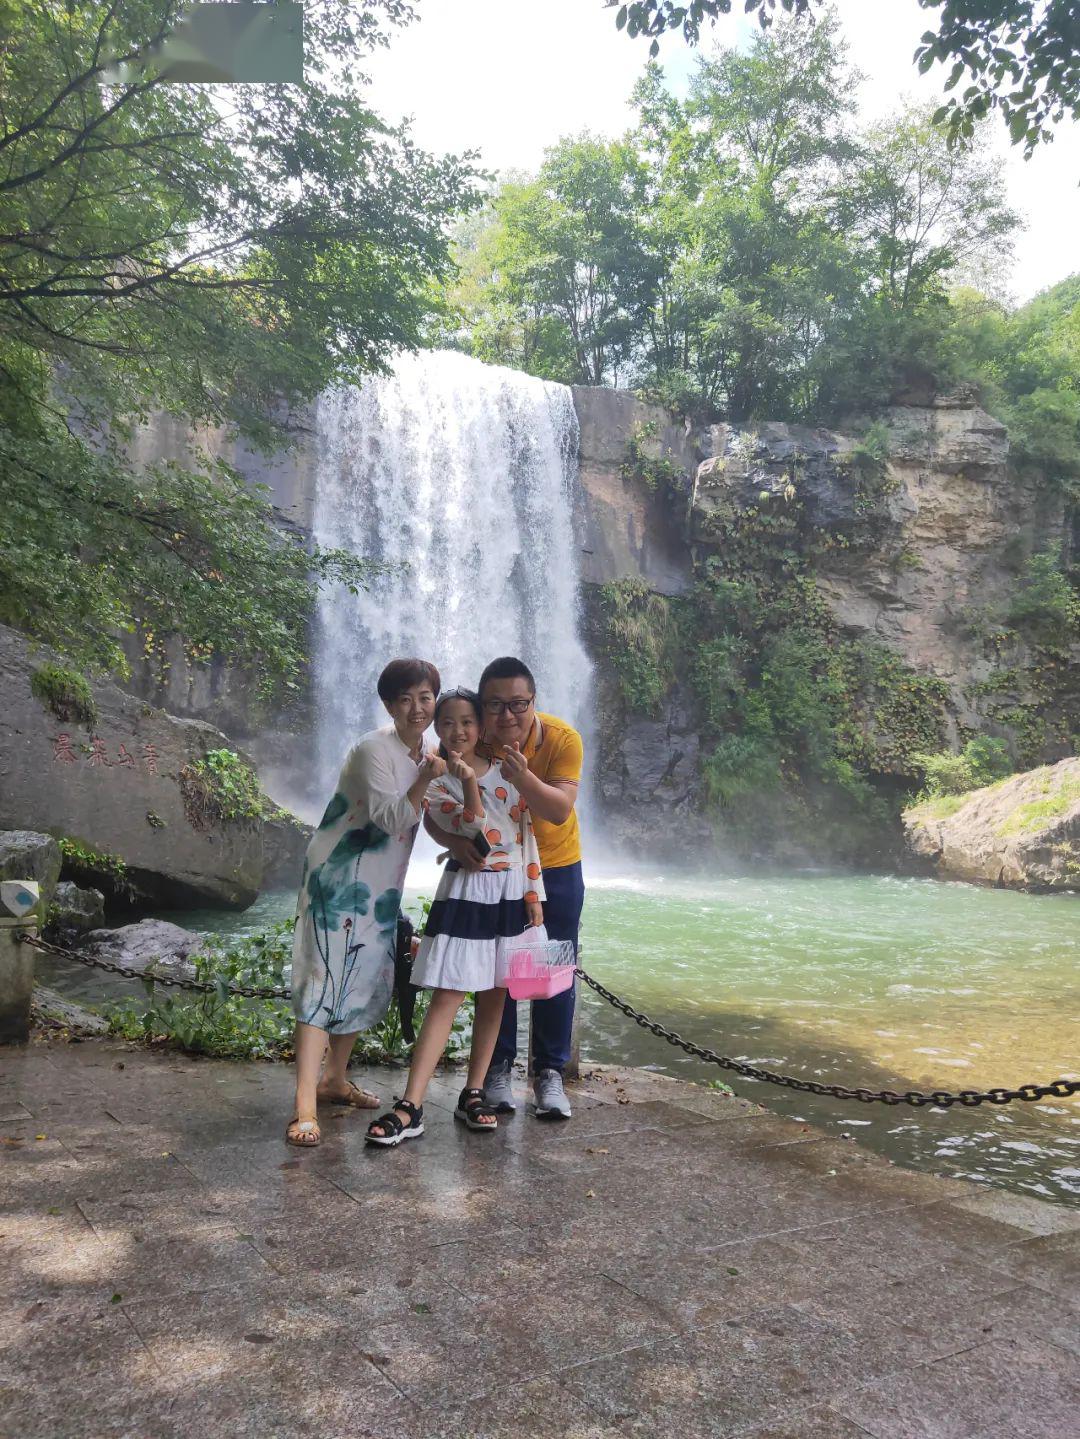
1022	57
744	253
220	254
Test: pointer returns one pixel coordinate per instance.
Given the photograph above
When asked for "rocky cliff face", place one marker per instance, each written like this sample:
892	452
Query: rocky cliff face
1021	833
933	529
116	785
915	532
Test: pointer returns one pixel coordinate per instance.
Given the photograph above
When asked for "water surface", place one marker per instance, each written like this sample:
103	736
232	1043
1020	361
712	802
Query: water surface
881	982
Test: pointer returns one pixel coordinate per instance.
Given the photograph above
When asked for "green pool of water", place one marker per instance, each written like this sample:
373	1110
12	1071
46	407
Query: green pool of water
881	982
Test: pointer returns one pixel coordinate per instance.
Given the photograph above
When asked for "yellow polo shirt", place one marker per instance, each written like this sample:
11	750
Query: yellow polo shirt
557	757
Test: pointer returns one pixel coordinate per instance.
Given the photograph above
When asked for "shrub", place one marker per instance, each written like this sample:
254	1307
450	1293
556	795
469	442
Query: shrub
223	789
81	863
636	639
982	761
64	692
229	1026
1045	603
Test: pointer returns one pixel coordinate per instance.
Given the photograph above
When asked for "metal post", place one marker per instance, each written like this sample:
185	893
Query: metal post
573	1067
19	904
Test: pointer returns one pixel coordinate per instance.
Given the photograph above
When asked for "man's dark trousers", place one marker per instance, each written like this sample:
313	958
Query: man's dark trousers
552	1019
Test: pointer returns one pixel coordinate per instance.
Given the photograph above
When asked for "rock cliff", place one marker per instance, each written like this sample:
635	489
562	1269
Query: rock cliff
915	531
116	787
1021	833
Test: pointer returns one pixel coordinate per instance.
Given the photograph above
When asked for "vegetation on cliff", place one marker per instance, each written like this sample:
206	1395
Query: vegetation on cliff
222	264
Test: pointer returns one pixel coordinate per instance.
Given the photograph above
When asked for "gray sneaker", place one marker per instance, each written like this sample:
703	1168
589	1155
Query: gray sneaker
497	1089
551	1100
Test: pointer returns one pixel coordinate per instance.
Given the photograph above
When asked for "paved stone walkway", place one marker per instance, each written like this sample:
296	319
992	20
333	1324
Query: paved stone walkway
672	1262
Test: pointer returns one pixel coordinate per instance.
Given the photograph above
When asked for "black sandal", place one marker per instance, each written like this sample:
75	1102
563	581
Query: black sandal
393	1127
470	1106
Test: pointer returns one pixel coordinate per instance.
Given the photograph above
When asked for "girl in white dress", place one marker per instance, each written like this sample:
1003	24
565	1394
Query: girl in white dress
475	918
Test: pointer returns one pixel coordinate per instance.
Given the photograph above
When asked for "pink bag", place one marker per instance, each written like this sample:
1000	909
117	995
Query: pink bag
538	968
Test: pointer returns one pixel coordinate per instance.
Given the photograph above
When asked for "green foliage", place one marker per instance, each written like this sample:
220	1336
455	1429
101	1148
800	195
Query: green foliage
223	264
223	789
557	282
64	692
220	1023
1020	56
230	1026
81	862
982	761
746	252
658	473
635	638
1045	604
1027	366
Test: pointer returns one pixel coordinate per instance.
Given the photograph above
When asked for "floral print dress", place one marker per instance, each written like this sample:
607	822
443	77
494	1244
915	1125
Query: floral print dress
350	892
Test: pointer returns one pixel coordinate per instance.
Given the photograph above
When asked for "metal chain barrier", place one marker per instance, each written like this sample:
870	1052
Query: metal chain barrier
941	1098
201	986
1056	1089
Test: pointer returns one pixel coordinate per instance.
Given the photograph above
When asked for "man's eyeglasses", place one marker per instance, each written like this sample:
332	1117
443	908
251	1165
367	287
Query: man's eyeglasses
515	706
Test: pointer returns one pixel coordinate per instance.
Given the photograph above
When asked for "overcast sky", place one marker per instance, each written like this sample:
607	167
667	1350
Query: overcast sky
510	77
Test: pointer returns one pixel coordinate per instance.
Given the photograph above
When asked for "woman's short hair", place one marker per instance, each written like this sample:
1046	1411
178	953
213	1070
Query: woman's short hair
402	675
506	667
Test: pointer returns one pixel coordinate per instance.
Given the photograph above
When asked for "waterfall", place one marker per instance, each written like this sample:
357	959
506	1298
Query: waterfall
463	478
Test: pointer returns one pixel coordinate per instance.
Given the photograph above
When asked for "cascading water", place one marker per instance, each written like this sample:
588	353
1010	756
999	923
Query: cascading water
467	472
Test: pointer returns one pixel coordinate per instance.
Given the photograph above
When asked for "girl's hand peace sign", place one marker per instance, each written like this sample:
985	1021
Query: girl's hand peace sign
458	768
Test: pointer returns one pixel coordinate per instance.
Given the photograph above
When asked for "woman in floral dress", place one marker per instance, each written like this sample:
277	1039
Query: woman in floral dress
343	947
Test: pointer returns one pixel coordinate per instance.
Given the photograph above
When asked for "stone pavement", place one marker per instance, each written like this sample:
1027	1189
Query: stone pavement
672	1262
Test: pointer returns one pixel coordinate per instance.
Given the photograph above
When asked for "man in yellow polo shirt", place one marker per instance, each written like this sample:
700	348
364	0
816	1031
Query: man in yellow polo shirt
540	756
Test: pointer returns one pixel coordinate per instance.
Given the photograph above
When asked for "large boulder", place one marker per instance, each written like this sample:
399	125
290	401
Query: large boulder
1021	833
75	910
113	784
50	1010
25	854
150	942
285	842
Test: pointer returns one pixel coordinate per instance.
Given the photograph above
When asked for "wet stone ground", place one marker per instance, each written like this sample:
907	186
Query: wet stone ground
671	1262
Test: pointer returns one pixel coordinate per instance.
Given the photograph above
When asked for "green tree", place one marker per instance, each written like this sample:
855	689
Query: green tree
1027	364
919	214
557	281
218	257
1022	57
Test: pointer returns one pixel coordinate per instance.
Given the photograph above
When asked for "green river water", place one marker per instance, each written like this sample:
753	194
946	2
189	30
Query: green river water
872	981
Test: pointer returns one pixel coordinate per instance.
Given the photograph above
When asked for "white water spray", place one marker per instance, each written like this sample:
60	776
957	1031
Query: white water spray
467	472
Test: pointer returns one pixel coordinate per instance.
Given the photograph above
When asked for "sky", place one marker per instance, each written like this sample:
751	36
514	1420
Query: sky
510	77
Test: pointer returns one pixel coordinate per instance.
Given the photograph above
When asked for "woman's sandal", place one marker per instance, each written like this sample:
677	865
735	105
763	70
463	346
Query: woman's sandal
394	1130
470	1106
355	1097
304	1133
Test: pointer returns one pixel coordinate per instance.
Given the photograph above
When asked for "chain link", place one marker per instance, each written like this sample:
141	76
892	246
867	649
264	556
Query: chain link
940	1098
201	986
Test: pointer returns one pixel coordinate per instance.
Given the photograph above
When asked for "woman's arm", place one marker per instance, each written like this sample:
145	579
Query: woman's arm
387	807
